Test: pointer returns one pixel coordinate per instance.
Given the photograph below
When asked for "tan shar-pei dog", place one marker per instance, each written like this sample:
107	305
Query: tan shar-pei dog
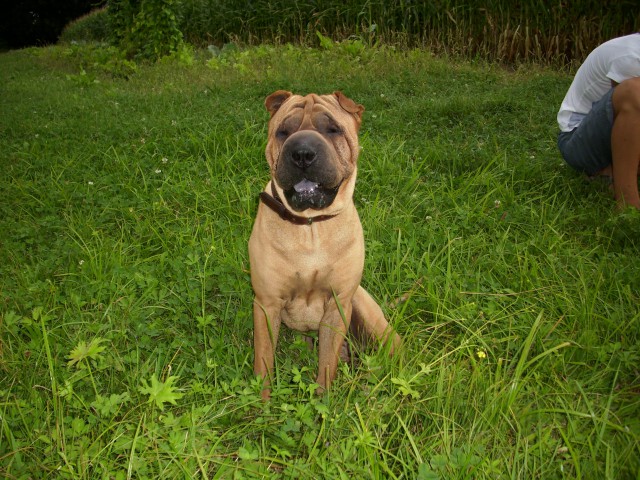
307	248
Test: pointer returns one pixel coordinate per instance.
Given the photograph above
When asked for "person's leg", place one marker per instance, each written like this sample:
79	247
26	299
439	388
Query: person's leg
588	147
625	142
605	172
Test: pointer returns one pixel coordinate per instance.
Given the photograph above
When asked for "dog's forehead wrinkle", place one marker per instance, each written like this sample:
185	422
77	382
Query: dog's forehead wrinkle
316	103
318	117
295	114
309	106
307	111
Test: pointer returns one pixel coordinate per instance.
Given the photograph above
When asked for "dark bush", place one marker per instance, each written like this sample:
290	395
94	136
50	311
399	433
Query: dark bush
92	27
39	22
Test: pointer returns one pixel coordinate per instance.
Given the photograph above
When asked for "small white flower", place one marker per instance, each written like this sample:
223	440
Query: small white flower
80	262
428	217
497	203
90	182
382	95
165	160
174	123
37	135
158	170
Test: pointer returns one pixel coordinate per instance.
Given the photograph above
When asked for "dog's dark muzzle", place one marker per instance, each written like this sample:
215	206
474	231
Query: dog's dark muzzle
305	171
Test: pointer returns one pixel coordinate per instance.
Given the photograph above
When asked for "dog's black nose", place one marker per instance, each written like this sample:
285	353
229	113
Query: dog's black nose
303	157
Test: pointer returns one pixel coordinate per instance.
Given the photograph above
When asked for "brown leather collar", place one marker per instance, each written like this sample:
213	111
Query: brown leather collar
274	202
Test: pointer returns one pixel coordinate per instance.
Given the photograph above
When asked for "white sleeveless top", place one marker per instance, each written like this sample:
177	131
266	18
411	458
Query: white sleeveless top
617	60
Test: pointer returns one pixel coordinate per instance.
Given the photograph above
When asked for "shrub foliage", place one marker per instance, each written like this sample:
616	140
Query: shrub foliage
92	27
146	29
541	30
544	31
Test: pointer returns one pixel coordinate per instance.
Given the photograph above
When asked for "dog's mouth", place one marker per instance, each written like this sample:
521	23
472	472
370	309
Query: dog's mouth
308	194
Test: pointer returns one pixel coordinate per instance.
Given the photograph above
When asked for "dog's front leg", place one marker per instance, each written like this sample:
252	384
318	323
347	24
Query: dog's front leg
331	335
266	326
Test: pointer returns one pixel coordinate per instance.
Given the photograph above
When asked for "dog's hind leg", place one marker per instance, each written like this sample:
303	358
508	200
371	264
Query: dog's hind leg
368	322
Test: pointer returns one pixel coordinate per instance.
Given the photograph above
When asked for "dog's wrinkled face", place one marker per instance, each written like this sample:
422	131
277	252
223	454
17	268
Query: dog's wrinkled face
313	146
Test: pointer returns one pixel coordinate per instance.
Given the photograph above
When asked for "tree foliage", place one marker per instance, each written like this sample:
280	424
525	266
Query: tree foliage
146	29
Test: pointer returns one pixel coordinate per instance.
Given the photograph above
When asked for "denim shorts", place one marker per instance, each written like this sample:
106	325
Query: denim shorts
587	148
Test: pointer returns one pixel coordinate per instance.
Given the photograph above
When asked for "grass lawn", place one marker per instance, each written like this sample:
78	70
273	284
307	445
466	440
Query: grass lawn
125	303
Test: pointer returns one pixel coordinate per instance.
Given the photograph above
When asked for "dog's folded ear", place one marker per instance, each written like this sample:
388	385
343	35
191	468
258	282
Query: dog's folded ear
350	106
274	101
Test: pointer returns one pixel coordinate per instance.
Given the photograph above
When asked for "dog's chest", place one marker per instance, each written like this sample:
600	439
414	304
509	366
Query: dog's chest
302	316
308	299
301	267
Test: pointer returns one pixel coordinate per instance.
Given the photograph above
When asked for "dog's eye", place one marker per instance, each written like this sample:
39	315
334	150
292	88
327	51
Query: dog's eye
282	134
334	130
